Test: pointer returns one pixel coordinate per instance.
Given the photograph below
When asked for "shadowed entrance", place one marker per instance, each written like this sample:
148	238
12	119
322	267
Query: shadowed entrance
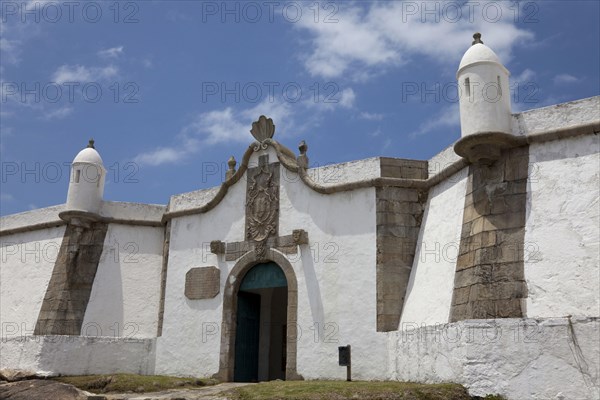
260	341
230	299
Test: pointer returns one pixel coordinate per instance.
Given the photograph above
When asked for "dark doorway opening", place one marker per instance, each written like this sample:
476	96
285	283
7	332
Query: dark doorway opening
260	340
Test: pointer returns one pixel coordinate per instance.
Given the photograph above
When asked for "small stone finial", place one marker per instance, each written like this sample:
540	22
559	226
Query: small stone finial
263	128
231	162
302	159
91	144
231	171
303	147
477	38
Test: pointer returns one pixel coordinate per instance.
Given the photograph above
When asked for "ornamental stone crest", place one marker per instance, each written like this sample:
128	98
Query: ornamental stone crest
262	203
263	129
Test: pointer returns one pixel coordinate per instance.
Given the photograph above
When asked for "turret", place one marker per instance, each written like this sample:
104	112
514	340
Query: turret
485	110
86	186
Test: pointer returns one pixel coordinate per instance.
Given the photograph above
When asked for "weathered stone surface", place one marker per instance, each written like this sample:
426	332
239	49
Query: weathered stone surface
163	278
489	280
287	244
398	218
14	375
43	390
400	168
71	283
202	283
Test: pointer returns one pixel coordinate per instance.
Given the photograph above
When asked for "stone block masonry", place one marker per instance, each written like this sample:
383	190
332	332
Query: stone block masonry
71	282
399	214
489	280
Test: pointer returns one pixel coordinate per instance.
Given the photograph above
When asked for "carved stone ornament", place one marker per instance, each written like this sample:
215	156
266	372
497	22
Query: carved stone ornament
299	236
261	250
217	247
263	128
262	203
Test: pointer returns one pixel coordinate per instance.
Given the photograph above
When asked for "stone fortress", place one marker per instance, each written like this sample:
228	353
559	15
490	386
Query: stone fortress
479	266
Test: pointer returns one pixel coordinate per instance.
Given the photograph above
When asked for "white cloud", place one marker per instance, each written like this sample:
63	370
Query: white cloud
347	98
113	52
525	91
59	113
9	51
524	77
375	133
329	100
367	40
226	125
219	126
159	156
371	116
448	117
80	73
565	79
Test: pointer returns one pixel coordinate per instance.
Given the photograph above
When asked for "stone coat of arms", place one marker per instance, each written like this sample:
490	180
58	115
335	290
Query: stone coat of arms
262	202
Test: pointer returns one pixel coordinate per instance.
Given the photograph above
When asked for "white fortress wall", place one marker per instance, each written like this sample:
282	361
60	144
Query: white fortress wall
336	279
562	233
429	292
125	296
544	355
191	336
27	264
78	355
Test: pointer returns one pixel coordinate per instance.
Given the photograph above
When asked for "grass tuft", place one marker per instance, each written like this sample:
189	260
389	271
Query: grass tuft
334	390
122	383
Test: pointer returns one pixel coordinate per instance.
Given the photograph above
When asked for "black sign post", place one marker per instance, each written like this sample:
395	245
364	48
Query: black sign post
345	360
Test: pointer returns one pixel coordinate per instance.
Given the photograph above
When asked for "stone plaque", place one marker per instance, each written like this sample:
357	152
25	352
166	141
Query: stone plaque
202	283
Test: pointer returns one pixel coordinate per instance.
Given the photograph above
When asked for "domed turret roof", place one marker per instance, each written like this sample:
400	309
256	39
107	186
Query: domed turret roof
88	155
479	53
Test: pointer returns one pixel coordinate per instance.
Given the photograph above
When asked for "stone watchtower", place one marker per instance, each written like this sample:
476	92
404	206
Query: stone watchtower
489	280
68	292
484	98
86	186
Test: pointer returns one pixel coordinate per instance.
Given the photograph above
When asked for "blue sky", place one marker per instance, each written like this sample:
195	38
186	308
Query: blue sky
168	89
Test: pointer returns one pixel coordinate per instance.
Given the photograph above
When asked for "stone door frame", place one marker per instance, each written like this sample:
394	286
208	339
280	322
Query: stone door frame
229	322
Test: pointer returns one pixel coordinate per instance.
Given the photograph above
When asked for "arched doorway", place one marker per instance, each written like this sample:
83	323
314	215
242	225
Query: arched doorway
260	340
230	300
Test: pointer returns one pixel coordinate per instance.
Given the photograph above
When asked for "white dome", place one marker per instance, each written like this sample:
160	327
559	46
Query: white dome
479	53
88	155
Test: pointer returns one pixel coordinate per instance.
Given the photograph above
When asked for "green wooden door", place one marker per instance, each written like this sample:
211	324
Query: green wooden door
246	338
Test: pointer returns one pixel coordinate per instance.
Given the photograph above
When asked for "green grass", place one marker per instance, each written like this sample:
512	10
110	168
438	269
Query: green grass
132	383
333	390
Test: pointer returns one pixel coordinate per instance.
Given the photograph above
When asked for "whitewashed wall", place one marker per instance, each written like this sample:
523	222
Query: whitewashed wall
126	293
78	355
562	232
336	279
335	273
429	293
548	358
191	337
27	261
